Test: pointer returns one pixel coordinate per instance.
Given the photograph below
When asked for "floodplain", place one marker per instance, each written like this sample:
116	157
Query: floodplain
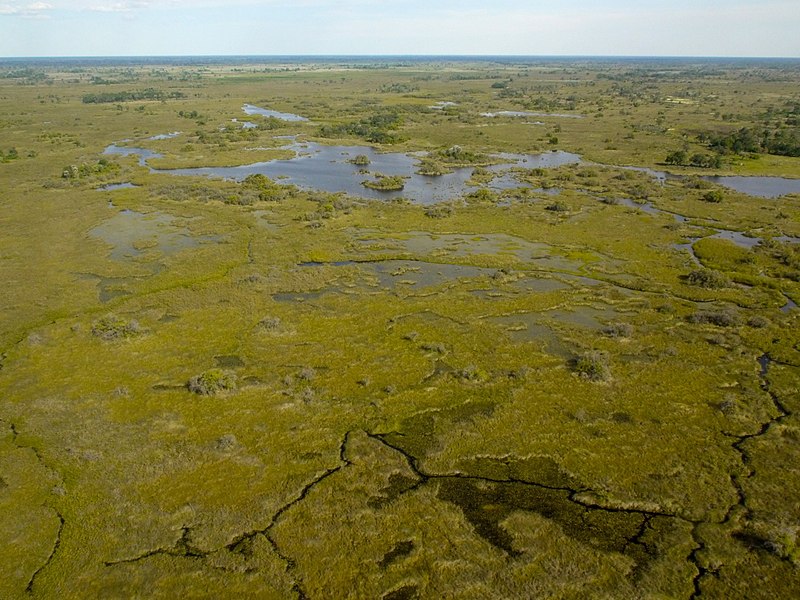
400	328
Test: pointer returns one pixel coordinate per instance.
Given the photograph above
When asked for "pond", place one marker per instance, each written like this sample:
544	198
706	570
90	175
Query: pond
329	168
643	206
756	185
245	124
526	113
761	187
131	234
442	105
738	238
143	153
250	109
110	187
165	136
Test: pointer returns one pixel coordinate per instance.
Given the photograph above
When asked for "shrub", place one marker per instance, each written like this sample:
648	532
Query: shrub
714	196
758	322
470	373
431	168
112	327
307	394
361	160
623	330
557	206
678	157
270	323
706	278
638	192
483	195
434	347
212	382
720	318
592	365
307	374
439	211
386	183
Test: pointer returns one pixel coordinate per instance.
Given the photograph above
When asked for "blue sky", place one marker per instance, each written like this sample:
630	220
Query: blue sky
529	27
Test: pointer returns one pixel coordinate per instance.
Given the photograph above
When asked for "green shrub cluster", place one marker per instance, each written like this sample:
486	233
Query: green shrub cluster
592	365
212	382
720	318
112	327
83	170
380	129
707	278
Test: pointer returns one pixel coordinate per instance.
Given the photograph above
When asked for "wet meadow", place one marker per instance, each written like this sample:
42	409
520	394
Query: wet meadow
400	328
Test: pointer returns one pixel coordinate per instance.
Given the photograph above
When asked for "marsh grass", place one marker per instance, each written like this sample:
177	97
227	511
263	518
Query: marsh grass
286	482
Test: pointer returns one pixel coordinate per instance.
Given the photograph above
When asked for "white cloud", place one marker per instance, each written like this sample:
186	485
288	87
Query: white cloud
29	10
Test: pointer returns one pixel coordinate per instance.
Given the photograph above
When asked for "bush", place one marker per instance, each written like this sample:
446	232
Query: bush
307	374
720	318
623	330
431	168
434	347
361	160
270	323
212	382
482	195
557	206
706	278
439	211
112	327
593	365
385	183
678	157
714	196
470	373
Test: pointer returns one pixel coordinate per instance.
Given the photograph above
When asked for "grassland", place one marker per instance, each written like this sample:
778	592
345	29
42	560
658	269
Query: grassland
219	389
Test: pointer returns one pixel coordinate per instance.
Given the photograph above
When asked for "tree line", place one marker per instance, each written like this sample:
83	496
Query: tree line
129	96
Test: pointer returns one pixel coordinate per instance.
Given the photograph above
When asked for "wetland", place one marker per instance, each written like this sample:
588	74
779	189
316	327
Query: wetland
553	358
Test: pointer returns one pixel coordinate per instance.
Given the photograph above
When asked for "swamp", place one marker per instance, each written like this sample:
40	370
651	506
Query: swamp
397	328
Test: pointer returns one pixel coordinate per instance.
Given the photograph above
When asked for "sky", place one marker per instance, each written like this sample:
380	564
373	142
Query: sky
769	28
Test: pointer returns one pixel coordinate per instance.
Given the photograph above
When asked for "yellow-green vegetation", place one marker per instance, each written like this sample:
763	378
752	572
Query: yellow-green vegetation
386	183
569	382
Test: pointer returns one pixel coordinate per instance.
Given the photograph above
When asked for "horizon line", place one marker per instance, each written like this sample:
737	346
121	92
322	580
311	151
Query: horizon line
395	56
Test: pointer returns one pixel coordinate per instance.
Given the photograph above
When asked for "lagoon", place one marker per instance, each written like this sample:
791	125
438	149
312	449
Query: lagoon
329	168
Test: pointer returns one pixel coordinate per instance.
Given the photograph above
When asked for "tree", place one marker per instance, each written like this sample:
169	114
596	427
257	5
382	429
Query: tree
678	157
